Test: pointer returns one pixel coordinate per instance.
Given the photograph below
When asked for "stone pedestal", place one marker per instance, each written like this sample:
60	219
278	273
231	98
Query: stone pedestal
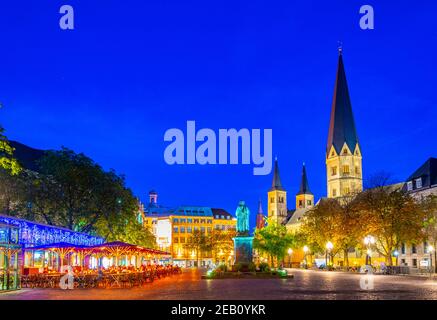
243	249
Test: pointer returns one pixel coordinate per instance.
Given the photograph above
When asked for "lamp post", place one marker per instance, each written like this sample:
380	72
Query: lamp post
396	254
369	241
329	247
305	251
430	250
290	252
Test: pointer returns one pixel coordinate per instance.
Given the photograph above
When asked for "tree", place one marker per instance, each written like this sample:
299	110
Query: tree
273	240
393	217
199	243
221	242
429	206
7	161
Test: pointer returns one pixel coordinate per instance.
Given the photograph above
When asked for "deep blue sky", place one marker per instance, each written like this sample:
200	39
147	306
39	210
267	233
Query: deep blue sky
133	69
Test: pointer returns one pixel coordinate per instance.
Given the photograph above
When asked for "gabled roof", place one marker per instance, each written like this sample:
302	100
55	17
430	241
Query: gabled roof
304	186
276	182
342	125
428	173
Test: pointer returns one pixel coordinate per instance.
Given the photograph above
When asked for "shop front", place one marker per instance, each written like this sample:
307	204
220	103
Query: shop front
9	257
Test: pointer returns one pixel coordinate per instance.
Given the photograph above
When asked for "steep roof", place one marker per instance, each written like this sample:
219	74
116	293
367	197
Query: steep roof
342	125
276	182
304	186
428	173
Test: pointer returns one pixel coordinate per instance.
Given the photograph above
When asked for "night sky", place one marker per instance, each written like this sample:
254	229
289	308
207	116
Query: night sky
133	69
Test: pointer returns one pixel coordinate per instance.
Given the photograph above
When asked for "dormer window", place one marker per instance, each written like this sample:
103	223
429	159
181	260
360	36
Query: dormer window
419	183
409	185
332	153
345	151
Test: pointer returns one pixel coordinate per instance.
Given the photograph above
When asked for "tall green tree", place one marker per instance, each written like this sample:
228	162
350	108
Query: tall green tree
274	241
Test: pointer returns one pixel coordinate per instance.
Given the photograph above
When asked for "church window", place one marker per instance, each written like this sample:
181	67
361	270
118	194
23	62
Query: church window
334	192
410	185
308	202
333	171
300	203
346	169
419	183
272	200
357	170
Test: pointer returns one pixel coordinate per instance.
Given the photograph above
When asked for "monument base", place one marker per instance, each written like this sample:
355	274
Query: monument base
243	249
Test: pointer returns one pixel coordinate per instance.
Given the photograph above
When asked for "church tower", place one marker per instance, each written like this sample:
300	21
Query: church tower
277	198
304	198
343	153
260	216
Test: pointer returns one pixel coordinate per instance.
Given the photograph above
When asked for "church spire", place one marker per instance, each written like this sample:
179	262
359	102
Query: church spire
276	182
342	125
304	186
260	216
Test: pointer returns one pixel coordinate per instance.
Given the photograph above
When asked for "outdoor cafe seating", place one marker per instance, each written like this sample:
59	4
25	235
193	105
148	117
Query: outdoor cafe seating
112	265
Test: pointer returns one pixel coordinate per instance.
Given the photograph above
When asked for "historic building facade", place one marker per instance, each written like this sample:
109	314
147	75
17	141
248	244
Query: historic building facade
173	229
421	183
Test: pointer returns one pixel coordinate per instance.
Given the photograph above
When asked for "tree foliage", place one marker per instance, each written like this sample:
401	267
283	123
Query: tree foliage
273	240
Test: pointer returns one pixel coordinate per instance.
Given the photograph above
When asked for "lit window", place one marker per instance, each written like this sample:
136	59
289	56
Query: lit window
410	185
419	183
346	169
333	171
346	190
345	151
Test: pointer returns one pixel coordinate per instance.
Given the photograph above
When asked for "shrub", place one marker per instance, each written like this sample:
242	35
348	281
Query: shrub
222	267
264	267
252	267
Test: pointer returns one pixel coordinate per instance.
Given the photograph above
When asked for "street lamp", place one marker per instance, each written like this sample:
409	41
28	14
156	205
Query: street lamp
430	250
305	250
329	247
290	252
396	254
369	241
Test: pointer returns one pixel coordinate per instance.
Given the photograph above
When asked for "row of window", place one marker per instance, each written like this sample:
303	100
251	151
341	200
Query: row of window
345	170
418	182
190	229
414	248
280	199
190	220
223	217
301	203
